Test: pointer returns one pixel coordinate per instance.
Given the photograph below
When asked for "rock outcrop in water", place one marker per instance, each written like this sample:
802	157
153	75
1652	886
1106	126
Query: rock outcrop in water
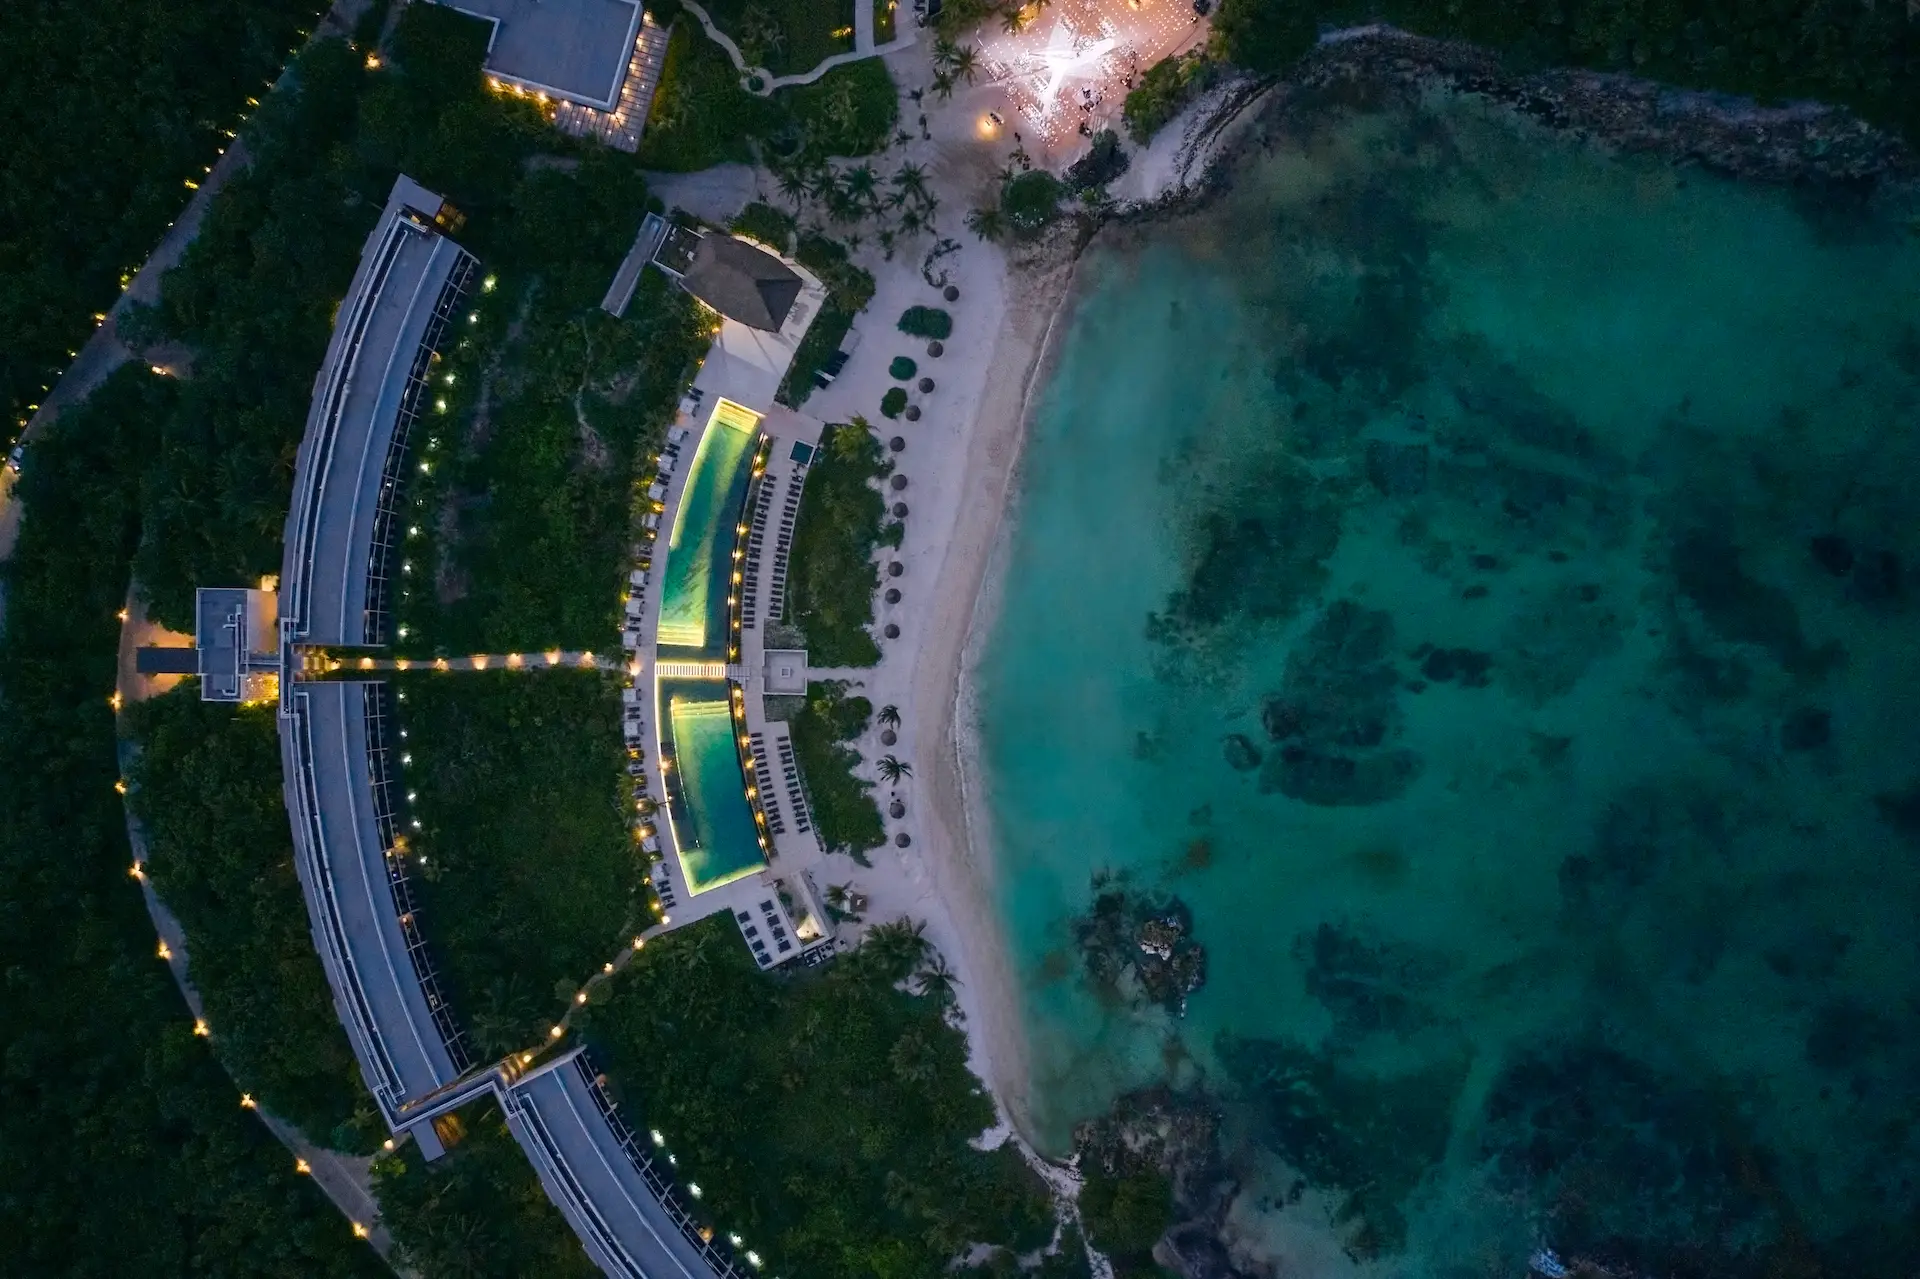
1140	948
1163	1144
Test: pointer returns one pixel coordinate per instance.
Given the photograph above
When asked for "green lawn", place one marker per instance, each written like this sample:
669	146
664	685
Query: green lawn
825	1117
207	790
786	36
844	814
832	580
532	880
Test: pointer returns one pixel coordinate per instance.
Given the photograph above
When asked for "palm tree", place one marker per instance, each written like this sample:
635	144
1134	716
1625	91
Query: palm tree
794	185
889	716
898	947
987	223
936	981
894	770
943	85
1014	21
860	182
965	63
910	180
945	52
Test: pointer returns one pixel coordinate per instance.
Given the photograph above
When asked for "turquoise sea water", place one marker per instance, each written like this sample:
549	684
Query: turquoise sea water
1545	524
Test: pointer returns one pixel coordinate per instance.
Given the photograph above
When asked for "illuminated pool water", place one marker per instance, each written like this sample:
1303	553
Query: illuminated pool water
693	601
712	823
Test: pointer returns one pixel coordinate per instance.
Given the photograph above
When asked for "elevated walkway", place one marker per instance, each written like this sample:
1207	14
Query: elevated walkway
603	1180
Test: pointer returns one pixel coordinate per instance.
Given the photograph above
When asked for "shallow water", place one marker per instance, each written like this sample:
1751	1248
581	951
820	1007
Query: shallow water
1474	479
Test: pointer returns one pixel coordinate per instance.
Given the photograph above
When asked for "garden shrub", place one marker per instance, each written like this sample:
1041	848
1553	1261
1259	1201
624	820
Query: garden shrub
1032	200
893	401
1169	85
766	224
902	369
926	322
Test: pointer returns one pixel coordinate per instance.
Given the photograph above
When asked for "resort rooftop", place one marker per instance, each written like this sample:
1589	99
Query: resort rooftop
574	50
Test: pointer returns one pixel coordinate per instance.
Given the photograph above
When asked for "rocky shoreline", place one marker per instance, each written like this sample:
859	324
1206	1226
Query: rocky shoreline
1798	143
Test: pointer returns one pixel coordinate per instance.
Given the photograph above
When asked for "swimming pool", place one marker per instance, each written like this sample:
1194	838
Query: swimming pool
693	600
712	821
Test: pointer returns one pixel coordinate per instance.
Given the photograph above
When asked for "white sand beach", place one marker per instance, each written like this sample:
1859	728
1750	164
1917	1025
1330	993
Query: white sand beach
960	461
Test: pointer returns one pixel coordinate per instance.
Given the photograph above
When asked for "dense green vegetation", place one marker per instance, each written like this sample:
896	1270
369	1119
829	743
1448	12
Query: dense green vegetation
849	289
926	322
1862	56
825	1117
849	111
1031	200
110	110
553	399
831	584
894	402
526	519
1167	86
123	1151
1125	1216
477	1211
902	368
531	879
206	786
766	224
844	815
701	116
786	36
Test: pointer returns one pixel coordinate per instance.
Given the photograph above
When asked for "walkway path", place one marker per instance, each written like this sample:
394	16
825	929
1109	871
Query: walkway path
863	47
487	662
344	1178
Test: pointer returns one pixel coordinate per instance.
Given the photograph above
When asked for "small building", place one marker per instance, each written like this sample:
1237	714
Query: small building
742	281
235	651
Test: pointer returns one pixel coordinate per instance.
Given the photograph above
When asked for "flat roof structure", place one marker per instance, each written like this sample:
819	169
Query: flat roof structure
575	50
367	394
234	652
594	1168
333	593
369	935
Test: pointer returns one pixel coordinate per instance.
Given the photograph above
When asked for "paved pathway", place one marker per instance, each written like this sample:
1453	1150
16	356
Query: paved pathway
863	47
551	658
342	1177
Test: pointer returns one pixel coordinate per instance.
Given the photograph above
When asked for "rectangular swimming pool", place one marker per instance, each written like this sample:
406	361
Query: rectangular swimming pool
693	598
712	824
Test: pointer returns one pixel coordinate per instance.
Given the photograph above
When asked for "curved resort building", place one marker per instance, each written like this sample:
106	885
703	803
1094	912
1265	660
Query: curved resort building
351	855
708	574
